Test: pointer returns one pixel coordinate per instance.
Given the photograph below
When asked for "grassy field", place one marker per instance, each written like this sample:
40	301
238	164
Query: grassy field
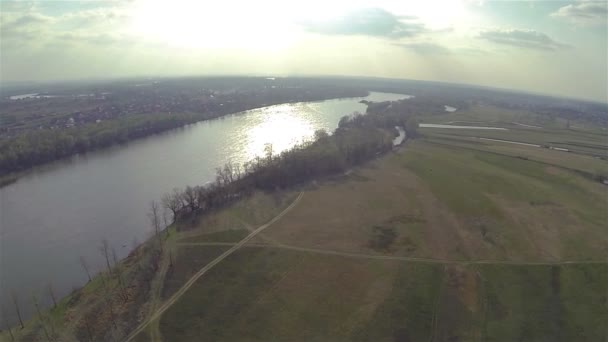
262	294
578	137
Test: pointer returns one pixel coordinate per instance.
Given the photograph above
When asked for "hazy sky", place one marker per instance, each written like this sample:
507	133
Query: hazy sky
557	47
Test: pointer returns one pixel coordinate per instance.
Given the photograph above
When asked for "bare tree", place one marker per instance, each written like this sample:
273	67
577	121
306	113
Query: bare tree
173	202
118	272
16	302
166	221
114	257
105	251
268	150
84	265
41	317
49	287
154	216
8	326
190	198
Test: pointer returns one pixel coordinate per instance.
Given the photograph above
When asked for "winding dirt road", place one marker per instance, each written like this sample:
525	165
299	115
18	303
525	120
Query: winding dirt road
206	268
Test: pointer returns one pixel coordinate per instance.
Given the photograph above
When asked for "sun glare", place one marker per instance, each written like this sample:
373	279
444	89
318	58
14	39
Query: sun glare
281	129
197	24
265	24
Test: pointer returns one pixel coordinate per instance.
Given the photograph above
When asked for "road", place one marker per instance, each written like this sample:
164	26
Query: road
177	295
401	258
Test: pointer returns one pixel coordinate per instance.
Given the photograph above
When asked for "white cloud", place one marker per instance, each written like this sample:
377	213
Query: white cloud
374	22
426	48
584	12
523	38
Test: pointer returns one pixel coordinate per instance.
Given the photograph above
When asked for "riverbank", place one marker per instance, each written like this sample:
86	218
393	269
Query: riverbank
9	178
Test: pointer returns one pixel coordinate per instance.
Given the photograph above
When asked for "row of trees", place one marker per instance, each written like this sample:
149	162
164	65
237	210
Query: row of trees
38	147
357	139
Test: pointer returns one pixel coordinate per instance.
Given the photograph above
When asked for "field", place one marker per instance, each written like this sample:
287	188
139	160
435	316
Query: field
262	294
447	239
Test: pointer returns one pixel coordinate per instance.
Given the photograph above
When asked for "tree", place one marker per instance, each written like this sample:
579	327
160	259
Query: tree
190	198
154	216
84	265
52	293
7	325
343	121
268	151
166	221
41	317
411	128
105	251
173	202
118	272
16	302
321	135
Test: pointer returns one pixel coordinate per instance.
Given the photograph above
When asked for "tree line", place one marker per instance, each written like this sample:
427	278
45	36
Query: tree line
42	146
357	139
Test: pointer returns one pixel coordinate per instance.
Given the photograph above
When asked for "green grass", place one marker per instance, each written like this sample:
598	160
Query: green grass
214	303
407	312
545	303
451	176
261	294
514	196
189	260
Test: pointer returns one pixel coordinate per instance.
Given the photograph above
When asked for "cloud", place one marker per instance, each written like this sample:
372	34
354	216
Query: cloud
24	27
426	48
32	19
523	38
25	21
95	39
8	6
374	22
97	16
584	12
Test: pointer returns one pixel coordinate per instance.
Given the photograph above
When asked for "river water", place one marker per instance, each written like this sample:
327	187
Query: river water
57	213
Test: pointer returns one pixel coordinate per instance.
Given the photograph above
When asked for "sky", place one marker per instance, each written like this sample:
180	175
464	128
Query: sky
553	47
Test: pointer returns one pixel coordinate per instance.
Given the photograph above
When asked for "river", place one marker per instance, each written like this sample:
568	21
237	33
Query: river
57	213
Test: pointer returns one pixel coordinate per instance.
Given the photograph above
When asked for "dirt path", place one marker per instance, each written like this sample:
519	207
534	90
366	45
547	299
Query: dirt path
206	268
401	258
154	328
